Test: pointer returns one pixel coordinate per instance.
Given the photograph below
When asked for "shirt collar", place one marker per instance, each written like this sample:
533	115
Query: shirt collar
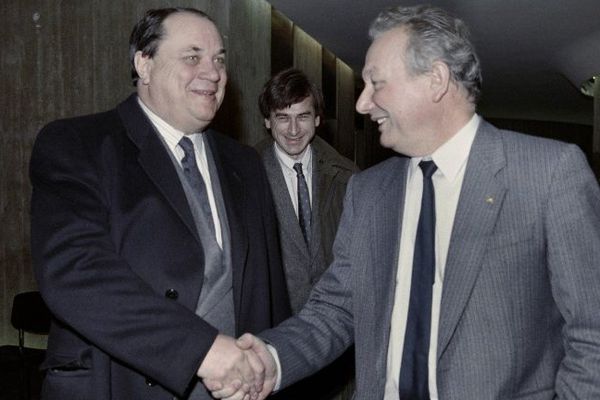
289	162
170	135
452	155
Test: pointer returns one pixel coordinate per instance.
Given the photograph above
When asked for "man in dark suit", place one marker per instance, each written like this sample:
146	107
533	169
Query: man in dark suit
469	267
294	156
154	237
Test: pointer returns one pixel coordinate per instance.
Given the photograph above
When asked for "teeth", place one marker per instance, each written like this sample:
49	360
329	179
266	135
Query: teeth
381	120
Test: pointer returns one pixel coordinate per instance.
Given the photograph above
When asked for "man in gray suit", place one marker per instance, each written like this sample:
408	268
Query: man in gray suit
513	297
292	108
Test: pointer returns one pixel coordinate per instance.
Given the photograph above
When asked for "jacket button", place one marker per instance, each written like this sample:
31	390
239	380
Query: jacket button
172	294
150	382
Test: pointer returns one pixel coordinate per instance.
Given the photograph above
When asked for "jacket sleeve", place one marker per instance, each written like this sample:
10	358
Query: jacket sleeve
572	224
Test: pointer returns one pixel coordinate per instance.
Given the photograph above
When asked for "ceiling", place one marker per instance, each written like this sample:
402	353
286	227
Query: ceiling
535	54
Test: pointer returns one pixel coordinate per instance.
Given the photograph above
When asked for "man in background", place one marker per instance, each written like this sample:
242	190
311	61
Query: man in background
308	180
467	267
154	237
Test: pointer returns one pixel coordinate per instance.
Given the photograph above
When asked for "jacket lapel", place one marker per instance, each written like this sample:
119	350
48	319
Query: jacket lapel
477	211
155	160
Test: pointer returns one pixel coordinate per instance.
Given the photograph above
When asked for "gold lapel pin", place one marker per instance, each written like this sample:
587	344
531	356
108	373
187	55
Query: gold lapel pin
489	200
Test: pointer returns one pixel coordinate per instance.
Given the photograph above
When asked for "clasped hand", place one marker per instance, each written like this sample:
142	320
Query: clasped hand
242	369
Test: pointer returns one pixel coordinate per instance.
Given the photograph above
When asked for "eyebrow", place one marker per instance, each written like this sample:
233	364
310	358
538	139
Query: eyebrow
285	114
200	50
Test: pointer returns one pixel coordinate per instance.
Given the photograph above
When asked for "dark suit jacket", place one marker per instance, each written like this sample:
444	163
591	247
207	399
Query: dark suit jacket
119	262
519	314
331	172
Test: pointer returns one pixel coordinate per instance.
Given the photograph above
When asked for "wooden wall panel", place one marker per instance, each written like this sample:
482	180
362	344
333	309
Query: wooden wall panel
308	55
596	133
248	53
344	142
67	58
328	128
282	42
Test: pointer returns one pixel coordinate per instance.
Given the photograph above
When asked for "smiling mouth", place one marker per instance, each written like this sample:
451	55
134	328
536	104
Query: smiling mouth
209	93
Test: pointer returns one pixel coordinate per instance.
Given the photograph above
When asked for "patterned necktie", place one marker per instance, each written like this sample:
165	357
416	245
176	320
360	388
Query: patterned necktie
304	212
192	173
413	384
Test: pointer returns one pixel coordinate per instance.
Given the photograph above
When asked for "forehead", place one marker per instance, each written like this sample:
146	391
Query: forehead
189	28
386	51
304	106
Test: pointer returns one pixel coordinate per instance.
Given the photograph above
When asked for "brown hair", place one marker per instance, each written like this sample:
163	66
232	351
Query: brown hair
288	87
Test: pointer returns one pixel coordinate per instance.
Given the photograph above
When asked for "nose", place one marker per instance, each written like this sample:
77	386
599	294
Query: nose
209	70
364	104
293	126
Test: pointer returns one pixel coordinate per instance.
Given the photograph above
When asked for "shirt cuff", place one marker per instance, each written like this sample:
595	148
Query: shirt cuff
273	352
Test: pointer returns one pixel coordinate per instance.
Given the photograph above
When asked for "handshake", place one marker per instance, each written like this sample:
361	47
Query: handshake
241	369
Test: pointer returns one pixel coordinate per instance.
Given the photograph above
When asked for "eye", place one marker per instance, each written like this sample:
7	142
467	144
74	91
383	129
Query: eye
282	118
220	60
191	59
376	84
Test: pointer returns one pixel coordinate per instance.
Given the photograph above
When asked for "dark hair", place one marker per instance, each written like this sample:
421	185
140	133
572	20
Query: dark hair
288	87
149	31
434	35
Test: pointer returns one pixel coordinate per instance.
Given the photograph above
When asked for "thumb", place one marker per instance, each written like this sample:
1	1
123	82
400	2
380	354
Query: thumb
246	341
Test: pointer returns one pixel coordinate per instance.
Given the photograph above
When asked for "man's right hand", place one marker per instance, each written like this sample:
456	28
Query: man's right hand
249	342
231	372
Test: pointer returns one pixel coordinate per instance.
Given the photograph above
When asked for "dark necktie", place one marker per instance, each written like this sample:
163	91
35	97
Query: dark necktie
303	203
413	384
192	173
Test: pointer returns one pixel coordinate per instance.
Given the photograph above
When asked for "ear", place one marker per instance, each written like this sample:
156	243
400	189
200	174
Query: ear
440	80
317	120
267	123
143	66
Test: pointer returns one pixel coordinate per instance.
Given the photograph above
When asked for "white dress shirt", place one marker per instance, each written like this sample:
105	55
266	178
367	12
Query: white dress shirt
451	160
171	137
289	173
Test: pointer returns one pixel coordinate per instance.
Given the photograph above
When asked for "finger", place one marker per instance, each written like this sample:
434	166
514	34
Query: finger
212	384
247	373
245	342
237	396
226	390
259	369
234	389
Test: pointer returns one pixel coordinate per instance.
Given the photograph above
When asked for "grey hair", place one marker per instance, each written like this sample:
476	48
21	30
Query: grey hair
434	35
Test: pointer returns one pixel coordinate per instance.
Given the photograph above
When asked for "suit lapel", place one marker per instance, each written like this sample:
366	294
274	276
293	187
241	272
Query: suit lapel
478	208
155	160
